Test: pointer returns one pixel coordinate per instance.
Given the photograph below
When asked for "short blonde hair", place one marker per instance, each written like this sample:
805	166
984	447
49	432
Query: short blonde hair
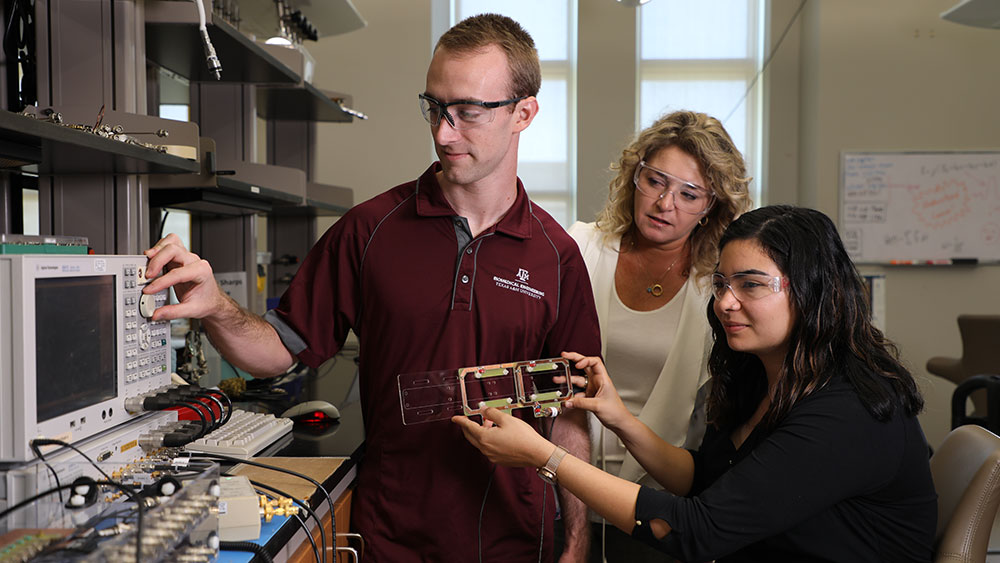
720	162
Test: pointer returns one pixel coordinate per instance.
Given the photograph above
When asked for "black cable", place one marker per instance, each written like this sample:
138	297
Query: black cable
199	467
207	394
216	420
247	546
305	529
163	224
322	532
194	396
87	531
124	514
229	404
193	406
125	489
175	398
29	500
766	61
264	395
541	535
319	522
54	442
545	490
222	409
329	500
482	508
141	508
38	453
187	475
181	436
85	536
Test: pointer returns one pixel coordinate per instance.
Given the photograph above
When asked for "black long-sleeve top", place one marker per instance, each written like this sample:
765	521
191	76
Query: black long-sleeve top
828	483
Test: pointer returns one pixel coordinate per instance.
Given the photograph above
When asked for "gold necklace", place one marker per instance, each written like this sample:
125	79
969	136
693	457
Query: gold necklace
655	289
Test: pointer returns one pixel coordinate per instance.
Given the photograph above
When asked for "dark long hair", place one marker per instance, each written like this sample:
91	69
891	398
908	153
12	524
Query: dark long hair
832	333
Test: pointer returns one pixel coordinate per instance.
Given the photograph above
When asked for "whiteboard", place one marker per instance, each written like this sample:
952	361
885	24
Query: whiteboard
920	207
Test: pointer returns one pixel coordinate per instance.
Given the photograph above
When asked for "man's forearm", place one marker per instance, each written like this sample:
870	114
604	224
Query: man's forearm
247	341
570	432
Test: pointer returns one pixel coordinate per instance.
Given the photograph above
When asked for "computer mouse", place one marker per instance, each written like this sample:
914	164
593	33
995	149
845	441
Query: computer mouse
312	411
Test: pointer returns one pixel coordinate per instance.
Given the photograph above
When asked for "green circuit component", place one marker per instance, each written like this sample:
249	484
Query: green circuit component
543	367
492	372
497	403
27	546
546	396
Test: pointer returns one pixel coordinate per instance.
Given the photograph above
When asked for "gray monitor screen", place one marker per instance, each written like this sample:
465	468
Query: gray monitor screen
75	338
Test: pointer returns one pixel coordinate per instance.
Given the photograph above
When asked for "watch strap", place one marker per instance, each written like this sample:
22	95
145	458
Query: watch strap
548	471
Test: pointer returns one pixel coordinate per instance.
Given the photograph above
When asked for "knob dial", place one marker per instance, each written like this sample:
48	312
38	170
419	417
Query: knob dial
147	304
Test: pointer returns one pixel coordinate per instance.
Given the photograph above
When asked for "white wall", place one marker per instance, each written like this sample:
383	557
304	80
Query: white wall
606	93
383	67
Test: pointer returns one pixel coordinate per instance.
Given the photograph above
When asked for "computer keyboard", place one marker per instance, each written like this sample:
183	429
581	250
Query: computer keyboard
246	434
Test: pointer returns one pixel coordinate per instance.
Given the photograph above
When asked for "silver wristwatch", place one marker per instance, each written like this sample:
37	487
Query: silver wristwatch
548	471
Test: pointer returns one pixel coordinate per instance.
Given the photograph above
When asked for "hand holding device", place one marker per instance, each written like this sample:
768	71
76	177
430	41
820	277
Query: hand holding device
600	397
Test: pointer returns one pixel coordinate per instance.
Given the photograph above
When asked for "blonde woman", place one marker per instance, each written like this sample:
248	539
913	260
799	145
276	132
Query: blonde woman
651	255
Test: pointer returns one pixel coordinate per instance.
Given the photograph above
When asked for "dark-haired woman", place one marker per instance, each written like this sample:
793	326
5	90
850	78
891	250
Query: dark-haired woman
813	451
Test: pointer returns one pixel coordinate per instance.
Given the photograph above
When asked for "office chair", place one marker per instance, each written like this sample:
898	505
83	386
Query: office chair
977	384
966	473
980	355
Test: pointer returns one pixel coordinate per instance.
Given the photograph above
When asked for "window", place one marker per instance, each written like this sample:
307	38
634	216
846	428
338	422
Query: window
692	55
703	56
175	95
175	221
547	151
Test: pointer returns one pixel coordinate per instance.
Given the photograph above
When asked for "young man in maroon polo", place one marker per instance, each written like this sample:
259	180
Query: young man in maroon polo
454	269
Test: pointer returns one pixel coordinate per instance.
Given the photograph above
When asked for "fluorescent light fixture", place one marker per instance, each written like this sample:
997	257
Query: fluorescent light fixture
284	42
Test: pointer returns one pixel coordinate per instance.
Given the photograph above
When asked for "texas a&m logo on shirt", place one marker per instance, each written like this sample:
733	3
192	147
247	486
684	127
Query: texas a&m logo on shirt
519	286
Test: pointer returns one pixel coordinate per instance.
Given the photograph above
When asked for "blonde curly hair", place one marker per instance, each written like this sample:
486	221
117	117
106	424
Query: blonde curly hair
720	162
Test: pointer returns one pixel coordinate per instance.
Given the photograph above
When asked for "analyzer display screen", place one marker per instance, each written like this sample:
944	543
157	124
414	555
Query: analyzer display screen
75	338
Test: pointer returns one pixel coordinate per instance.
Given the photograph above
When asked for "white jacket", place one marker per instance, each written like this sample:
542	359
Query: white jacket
674	409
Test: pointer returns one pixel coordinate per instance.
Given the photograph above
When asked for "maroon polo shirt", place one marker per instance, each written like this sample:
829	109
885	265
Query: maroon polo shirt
421	296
